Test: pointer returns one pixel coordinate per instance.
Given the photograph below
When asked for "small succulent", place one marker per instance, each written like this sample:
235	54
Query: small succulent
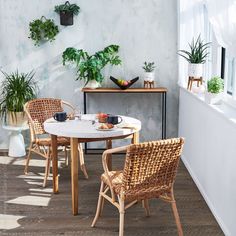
43	29
198	51
215	85
149	66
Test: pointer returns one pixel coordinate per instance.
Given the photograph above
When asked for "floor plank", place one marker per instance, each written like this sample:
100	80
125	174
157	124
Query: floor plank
45	213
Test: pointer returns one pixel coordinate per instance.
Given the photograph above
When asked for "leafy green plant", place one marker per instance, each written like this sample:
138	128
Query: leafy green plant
215	85
67	7
43	29
16	89
198	51
149	66
90	67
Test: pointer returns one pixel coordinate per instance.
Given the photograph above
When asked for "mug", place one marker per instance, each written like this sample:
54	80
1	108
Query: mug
60	116
111	119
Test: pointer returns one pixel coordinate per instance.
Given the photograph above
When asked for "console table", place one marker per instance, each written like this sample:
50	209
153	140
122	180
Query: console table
160	90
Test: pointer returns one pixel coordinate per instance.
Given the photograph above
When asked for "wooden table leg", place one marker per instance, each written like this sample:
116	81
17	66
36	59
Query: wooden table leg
54	163
109	163
74	174
135	138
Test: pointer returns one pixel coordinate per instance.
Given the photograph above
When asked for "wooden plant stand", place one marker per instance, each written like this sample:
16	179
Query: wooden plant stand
148	84
192	79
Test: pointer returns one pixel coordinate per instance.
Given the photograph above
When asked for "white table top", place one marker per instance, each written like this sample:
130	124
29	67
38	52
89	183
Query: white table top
85	129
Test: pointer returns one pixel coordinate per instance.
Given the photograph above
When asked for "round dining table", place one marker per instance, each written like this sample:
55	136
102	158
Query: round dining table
80	131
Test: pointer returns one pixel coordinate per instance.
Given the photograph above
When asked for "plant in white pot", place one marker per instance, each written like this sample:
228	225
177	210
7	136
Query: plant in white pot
89	68
149	73
215	87
16	89
196	57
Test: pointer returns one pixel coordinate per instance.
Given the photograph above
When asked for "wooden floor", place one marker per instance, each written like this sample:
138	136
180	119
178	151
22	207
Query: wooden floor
28	209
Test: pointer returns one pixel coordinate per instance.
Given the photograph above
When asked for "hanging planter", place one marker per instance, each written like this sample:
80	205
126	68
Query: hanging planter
43	29
67	12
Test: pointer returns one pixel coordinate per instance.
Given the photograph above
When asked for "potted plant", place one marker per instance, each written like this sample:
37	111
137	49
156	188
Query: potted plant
215	86
43	29
67	11
16	89
149	74
196	57
89	67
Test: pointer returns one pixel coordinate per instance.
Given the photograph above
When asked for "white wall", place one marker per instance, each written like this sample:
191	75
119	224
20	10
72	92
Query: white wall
210	156
145	30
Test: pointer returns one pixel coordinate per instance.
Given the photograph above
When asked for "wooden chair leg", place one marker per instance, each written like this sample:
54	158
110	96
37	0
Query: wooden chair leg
100	199
176	215
81	158
122	217
66	156
28	159
47	167
146	207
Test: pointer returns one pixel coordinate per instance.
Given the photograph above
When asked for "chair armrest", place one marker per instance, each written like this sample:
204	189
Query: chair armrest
105	156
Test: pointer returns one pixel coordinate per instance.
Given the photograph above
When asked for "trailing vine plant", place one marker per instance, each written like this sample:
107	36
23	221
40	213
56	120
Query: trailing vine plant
43	29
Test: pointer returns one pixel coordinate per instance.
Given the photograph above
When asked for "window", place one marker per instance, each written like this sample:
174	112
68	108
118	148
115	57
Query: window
230	75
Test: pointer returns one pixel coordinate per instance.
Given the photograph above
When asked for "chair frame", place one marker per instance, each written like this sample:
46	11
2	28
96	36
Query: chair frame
45	150
119	200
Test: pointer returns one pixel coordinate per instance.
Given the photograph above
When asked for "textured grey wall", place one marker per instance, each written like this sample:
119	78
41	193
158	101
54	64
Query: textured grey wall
145	30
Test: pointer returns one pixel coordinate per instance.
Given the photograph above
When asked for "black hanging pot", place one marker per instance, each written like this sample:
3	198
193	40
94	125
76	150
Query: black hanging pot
66	17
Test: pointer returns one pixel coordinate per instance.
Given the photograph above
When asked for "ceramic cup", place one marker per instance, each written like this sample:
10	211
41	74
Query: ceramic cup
60	116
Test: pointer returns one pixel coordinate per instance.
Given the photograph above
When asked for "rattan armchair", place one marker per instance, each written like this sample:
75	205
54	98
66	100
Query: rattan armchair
38	111
149	172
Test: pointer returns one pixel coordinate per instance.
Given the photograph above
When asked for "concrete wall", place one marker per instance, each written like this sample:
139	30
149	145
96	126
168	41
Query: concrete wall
145	31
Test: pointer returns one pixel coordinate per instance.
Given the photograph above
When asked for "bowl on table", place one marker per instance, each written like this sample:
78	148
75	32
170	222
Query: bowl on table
124	84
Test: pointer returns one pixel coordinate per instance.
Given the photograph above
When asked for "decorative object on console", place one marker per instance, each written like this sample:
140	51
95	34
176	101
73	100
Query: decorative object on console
215	86
149	74
16	89
89	67
43	29
124	84
67	12
196	57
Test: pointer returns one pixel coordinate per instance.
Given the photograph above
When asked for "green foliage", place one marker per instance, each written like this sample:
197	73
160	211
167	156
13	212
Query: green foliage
43	29
198	51
215	85
16	89
149	66
67	7
89	67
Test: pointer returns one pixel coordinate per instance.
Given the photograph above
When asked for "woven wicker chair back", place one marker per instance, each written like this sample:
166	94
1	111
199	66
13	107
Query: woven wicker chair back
42	109
150	168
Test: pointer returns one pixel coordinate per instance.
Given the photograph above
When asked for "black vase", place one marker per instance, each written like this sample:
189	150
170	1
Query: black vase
66	18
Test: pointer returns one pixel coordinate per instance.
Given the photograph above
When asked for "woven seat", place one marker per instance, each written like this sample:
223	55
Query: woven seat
149	172
61	141
38	111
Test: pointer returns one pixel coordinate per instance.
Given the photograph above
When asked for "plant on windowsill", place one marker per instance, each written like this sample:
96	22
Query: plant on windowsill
196	57
67	12
43	29
16	89
215	87
89	67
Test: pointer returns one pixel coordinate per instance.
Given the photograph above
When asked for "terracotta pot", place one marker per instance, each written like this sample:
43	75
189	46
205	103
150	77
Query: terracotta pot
16	119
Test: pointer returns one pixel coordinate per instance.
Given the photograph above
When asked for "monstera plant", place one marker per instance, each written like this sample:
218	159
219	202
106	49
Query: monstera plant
89	67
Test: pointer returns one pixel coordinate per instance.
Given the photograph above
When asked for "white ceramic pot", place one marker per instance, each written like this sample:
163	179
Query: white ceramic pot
149	76
93	84
16	119
213	98
195	70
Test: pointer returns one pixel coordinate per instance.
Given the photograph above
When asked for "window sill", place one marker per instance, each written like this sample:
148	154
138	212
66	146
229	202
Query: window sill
225	109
